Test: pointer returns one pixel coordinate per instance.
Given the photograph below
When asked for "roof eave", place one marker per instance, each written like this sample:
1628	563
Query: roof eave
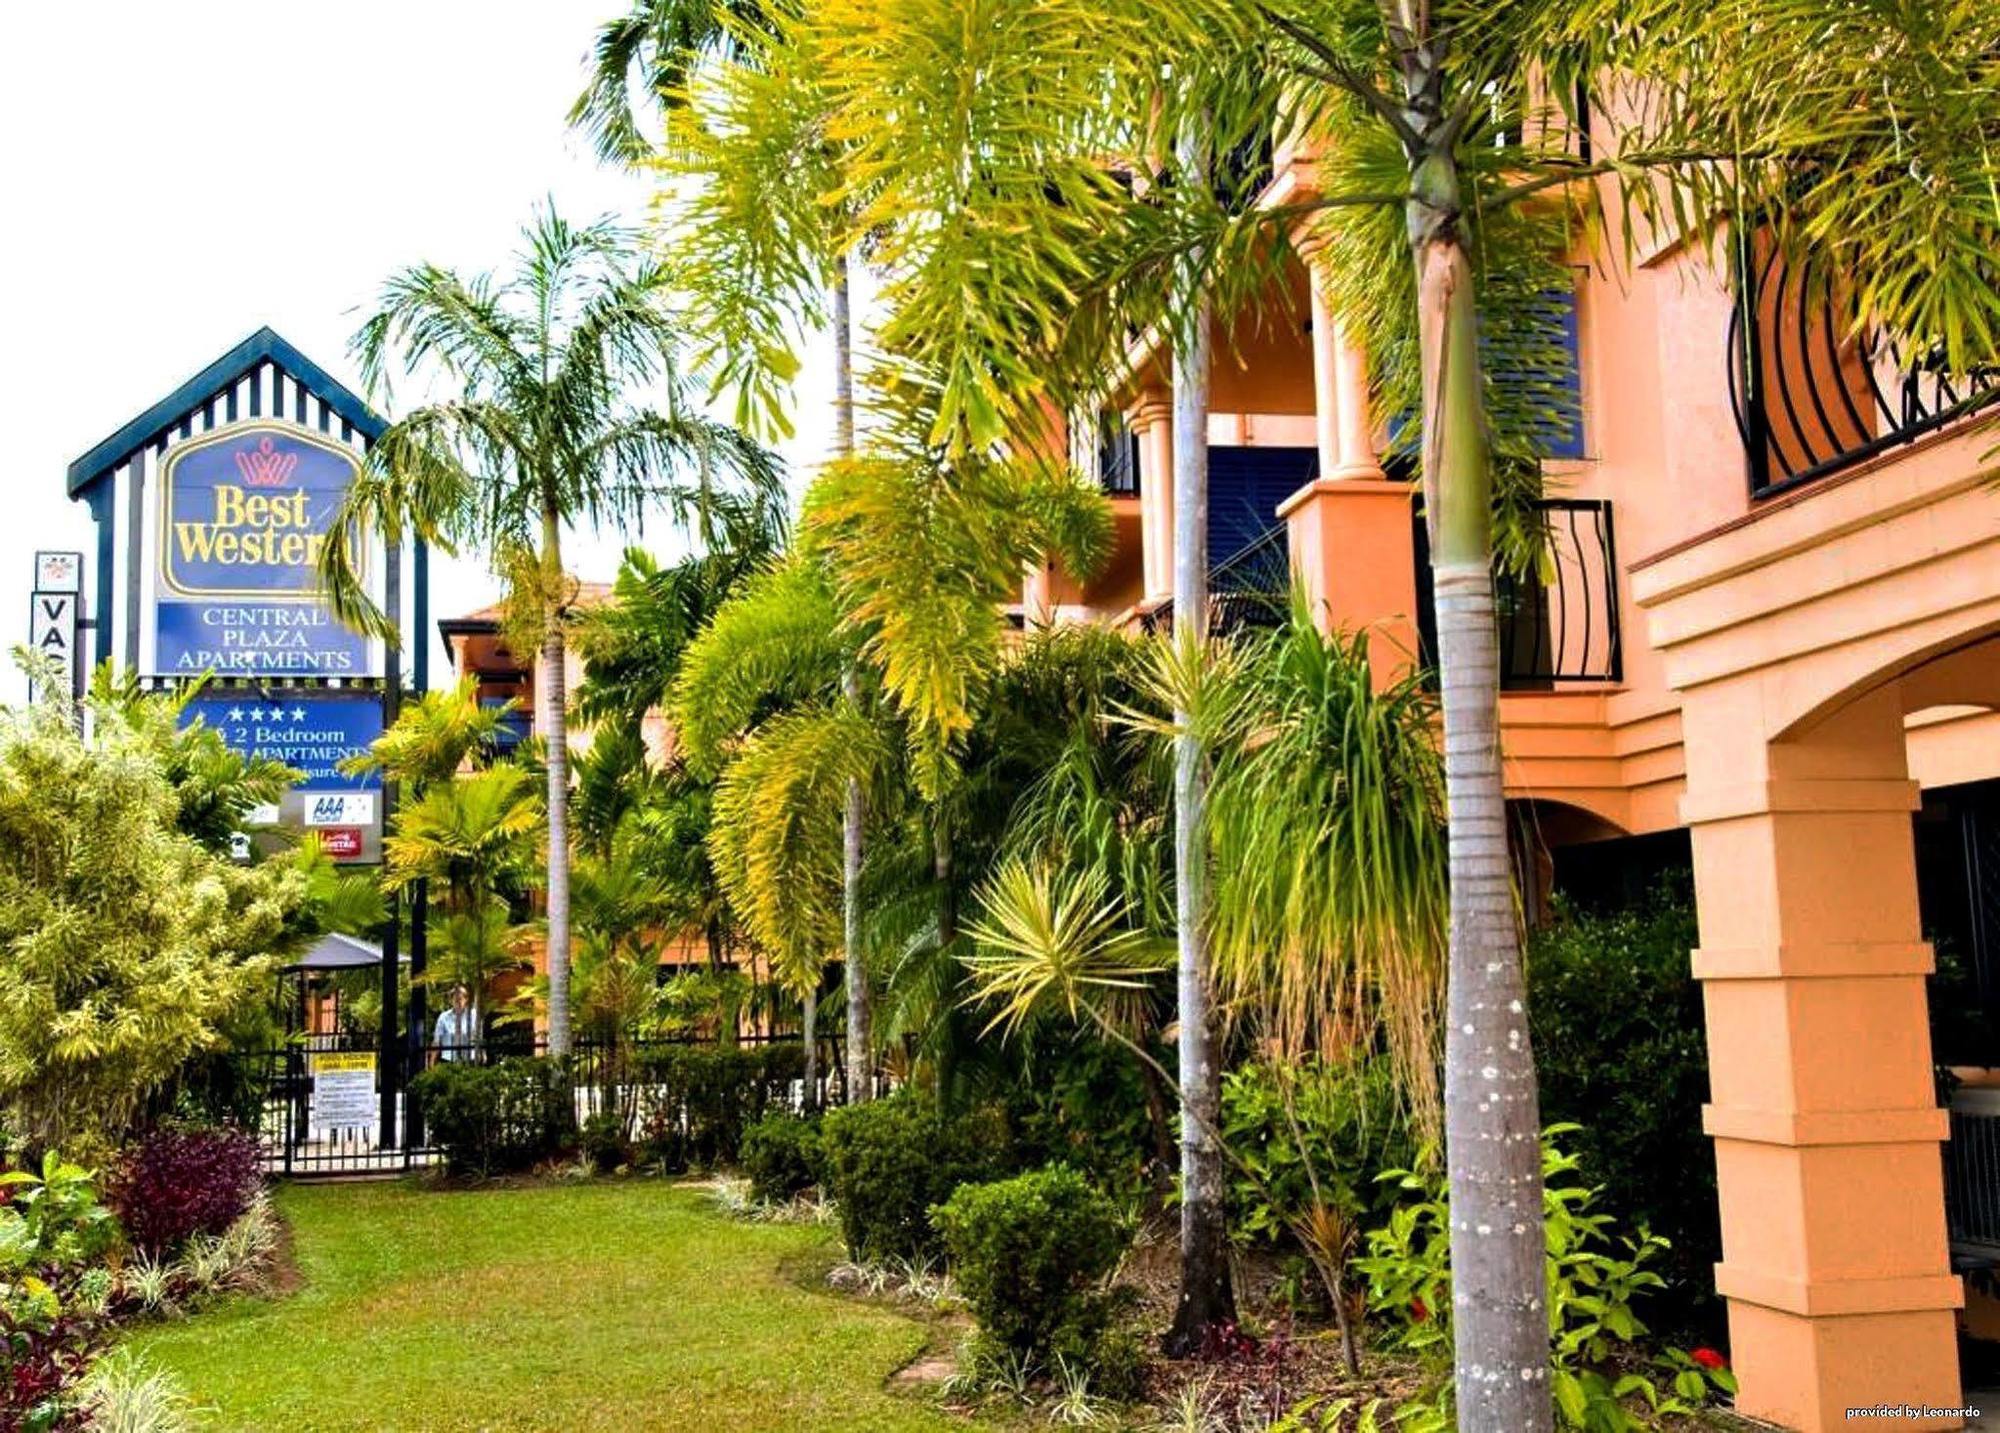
263	346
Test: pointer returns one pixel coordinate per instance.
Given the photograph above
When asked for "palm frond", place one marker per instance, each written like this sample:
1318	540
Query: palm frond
1049	940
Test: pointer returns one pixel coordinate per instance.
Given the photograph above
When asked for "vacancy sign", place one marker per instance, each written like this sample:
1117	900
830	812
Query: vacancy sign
55	616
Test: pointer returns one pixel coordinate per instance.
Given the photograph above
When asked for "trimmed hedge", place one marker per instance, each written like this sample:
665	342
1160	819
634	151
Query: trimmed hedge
784	1156
1031	1254
498	1119
889	1161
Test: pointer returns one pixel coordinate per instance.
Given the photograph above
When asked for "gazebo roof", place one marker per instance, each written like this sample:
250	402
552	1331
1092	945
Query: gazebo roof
334	951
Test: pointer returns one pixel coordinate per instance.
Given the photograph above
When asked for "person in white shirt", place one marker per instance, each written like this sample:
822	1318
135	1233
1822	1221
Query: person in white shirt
456	1035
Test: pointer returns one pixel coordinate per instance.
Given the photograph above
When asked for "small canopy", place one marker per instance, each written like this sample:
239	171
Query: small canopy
338	952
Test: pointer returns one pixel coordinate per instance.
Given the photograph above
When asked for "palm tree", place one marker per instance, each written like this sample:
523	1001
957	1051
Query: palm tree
476	944
433	737
663	40
1326	829
541	433
759	708
1206	1301
1857	136
657	43
473	836
633	644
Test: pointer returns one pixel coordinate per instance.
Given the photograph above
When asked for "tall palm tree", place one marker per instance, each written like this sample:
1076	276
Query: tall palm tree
541	433
758	709
659	43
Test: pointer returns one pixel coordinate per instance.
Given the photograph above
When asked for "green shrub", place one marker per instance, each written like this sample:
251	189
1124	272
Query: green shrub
1619	1041
1596	1278
497	1119
696	1100
1093	1105
1031	1254
603	1142
1307	1132
783	1156
889	1161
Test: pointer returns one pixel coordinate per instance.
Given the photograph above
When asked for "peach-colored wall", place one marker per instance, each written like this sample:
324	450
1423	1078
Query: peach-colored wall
1661	445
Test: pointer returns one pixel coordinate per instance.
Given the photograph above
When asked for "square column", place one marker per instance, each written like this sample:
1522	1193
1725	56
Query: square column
1835	1263
1353	546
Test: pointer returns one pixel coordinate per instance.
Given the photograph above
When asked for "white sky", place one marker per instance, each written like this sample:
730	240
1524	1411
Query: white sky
172	176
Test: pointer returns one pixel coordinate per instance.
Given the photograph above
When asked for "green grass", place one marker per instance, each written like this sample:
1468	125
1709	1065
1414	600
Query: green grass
602	1305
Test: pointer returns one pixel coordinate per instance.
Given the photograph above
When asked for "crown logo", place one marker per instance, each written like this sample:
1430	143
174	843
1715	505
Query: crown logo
266	468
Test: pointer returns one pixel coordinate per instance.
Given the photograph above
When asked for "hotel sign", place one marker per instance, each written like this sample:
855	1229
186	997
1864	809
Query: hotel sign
311	732
244	513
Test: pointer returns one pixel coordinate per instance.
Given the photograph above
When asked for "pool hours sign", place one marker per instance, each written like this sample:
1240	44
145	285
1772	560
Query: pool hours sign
244	513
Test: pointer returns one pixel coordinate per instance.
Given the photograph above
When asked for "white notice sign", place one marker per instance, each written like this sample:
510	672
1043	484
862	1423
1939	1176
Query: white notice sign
343	1095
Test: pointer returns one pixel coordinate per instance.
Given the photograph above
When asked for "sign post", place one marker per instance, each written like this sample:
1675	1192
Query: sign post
55	614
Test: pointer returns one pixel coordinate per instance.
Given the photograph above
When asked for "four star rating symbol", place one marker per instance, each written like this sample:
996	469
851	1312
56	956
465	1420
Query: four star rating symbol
276	713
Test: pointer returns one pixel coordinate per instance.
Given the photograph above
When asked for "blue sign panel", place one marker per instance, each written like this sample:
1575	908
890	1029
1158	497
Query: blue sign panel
244	513
309	731
299	638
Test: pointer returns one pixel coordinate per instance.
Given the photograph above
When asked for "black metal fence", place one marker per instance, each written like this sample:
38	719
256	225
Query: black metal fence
1811	395
1560	624
317	1105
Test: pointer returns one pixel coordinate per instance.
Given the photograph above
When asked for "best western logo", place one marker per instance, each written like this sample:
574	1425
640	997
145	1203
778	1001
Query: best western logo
253	529
245	510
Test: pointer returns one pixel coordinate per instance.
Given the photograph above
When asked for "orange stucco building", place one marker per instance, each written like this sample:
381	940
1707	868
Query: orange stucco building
1771	648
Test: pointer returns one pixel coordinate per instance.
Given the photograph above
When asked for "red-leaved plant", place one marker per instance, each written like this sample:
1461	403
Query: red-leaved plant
182	1180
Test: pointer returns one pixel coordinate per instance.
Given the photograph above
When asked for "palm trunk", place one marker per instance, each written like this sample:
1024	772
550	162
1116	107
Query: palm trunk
860	1011
1492	1121
1207	1299
809	1027
555	702
943	869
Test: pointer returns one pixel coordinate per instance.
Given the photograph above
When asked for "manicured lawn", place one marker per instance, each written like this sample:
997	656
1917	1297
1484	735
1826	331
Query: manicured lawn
606	1305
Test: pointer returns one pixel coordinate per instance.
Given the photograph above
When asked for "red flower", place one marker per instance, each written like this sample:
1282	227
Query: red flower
1418	1311
1709	1358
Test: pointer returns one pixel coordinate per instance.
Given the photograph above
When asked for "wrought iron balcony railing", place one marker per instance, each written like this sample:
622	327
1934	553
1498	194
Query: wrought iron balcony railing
1118	461
1558	627
1811	396
1248	589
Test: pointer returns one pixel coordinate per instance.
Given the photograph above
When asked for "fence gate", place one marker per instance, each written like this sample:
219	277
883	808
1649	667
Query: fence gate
317	1108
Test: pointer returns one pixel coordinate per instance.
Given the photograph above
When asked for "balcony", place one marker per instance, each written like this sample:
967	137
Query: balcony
1562	629
1810	395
